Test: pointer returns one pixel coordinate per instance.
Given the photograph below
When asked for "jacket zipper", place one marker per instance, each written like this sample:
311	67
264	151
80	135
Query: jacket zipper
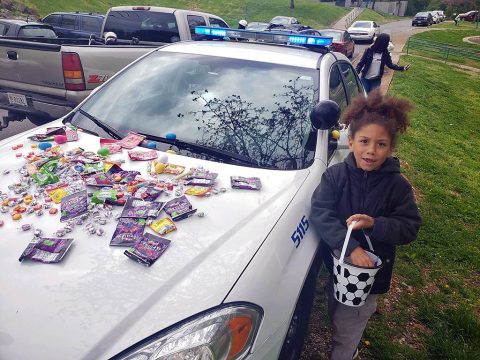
364	191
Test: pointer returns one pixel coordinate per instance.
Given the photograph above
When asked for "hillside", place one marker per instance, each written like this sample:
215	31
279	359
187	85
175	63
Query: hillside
309	12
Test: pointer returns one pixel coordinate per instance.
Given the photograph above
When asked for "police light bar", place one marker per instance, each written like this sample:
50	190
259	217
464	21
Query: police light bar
264	36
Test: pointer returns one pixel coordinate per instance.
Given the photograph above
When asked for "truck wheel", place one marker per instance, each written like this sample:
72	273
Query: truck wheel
297	330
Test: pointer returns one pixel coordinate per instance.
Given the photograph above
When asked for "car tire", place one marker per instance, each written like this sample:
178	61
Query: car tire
297	330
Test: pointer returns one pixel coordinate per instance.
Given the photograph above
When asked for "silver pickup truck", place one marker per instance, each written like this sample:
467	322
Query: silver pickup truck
47	80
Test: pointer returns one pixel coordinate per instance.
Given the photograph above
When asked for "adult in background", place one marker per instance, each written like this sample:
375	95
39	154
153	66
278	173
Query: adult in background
373	61
242	24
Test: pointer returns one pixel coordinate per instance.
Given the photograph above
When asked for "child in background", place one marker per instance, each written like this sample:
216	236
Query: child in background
368	188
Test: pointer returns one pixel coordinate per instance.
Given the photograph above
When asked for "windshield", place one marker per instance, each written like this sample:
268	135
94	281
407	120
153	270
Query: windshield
280	20
337	36
362	24
36	31
258	110
149	26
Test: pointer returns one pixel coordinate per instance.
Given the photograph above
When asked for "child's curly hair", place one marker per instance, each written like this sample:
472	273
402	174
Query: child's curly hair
390	112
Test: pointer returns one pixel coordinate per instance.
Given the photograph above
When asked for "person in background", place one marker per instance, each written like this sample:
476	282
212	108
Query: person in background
367	188
242	24
373	61
456	19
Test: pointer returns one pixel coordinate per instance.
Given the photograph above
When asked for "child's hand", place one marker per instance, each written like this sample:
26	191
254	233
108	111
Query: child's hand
360	257
363	221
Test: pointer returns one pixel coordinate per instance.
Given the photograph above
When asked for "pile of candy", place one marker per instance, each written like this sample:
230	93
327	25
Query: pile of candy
89	186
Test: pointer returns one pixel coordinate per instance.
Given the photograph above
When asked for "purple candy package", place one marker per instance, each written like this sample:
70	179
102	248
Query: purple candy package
148	193
179	208
249	183
99	179
46	250
73	205
148	249
128	232
138	208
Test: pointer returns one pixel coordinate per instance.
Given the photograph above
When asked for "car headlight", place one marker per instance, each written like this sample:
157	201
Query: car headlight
225	333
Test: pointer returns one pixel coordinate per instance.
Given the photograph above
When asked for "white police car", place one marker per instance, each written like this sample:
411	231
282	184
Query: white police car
236	283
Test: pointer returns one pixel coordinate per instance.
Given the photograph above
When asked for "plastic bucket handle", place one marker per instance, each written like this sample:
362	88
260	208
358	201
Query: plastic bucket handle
347	239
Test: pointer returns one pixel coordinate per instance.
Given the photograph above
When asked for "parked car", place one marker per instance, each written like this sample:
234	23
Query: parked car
473	15
257	26
33	80
75	24
441	15
284	20
342	41
364	30
25	29
422	18
236	282
435	17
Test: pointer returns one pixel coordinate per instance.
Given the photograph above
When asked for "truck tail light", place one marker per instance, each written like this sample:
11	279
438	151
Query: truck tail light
72	71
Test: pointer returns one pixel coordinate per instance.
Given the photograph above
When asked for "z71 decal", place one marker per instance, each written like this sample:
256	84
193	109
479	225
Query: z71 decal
300	231
96	79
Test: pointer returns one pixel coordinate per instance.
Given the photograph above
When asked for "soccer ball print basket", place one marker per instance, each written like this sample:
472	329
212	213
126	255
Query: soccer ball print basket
351	283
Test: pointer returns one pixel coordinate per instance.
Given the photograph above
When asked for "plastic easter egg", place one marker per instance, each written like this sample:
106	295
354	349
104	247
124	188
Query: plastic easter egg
151	145
44	145
103	151
170	151
170	136
159	167
60	139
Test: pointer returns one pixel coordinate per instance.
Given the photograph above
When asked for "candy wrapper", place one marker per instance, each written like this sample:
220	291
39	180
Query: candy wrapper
112	145
198	190
49	134
201	174
249	183
46	250
98	180
163	226
143	155
71	135
43	178
125	176
104	196
74	205
138	208
179	208
57	193
173	169
128	232
148	193
200	182
131	140
96	167
148	249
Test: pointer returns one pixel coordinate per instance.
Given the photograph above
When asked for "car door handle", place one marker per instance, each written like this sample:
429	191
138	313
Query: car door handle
12	55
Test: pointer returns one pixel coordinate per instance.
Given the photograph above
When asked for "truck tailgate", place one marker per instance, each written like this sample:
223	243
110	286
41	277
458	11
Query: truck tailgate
31	63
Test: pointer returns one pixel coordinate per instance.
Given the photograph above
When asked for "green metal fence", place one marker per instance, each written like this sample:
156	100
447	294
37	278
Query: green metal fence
442	50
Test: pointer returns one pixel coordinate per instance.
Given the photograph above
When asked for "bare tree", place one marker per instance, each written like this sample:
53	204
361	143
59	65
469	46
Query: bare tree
292	4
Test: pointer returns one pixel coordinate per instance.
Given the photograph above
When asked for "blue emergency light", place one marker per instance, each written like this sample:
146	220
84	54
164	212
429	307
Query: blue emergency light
264	36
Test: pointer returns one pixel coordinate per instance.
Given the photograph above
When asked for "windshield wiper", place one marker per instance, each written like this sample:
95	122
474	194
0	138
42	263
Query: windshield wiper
205	150
108	129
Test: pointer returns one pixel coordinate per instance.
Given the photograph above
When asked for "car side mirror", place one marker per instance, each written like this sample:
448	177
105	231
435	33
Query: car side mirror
325	115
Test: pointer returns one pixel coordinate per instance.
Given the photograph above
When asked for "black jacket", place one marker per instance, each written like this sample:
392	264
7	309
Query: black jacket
367	59
383	194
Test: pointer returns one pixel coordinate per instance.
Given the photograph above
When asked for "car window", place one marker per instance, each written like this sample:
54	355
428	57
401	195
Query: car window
214	22
68	21
362	24
193	21
53	20
3	29
337	36
143	25
91	23
36	31
336	88
351	82
347	37
255	109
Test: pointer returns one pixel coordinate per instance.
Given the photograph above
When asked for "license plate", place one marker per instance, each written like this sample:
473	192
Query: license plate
17	99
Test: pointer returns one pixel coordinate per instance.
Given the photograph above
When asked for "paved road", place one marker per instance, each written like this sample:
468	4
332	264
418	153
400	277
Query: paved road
398	30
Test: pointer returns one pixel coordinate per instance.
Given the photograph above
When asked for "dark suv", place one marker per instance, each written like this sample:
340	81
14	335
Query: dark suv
422	18
75	24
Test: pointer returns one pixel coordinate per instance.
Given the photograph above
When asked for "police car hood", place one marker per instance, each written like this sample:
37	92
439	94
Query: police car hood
96	302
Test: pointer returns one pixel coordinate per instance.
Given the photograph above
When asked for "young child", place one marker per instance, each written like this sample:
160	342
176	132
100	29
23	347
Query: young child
368	188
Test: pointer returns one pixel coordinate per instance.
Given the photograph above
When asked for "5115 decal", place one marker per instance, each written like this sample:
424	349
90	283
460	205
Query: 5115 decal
300	231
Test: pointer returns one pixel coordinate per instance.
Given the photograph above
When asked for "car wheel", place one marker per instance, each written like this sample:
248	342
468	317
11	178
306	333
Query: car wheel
297	330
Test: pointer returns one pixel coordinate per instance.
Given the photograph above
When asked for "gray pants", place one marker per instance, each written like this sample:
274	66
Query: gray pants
348	324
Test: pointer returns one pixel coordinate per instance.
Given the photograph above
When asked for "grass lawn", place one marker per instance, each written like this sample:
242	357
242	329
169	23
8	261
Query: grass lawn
309	12
378	17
